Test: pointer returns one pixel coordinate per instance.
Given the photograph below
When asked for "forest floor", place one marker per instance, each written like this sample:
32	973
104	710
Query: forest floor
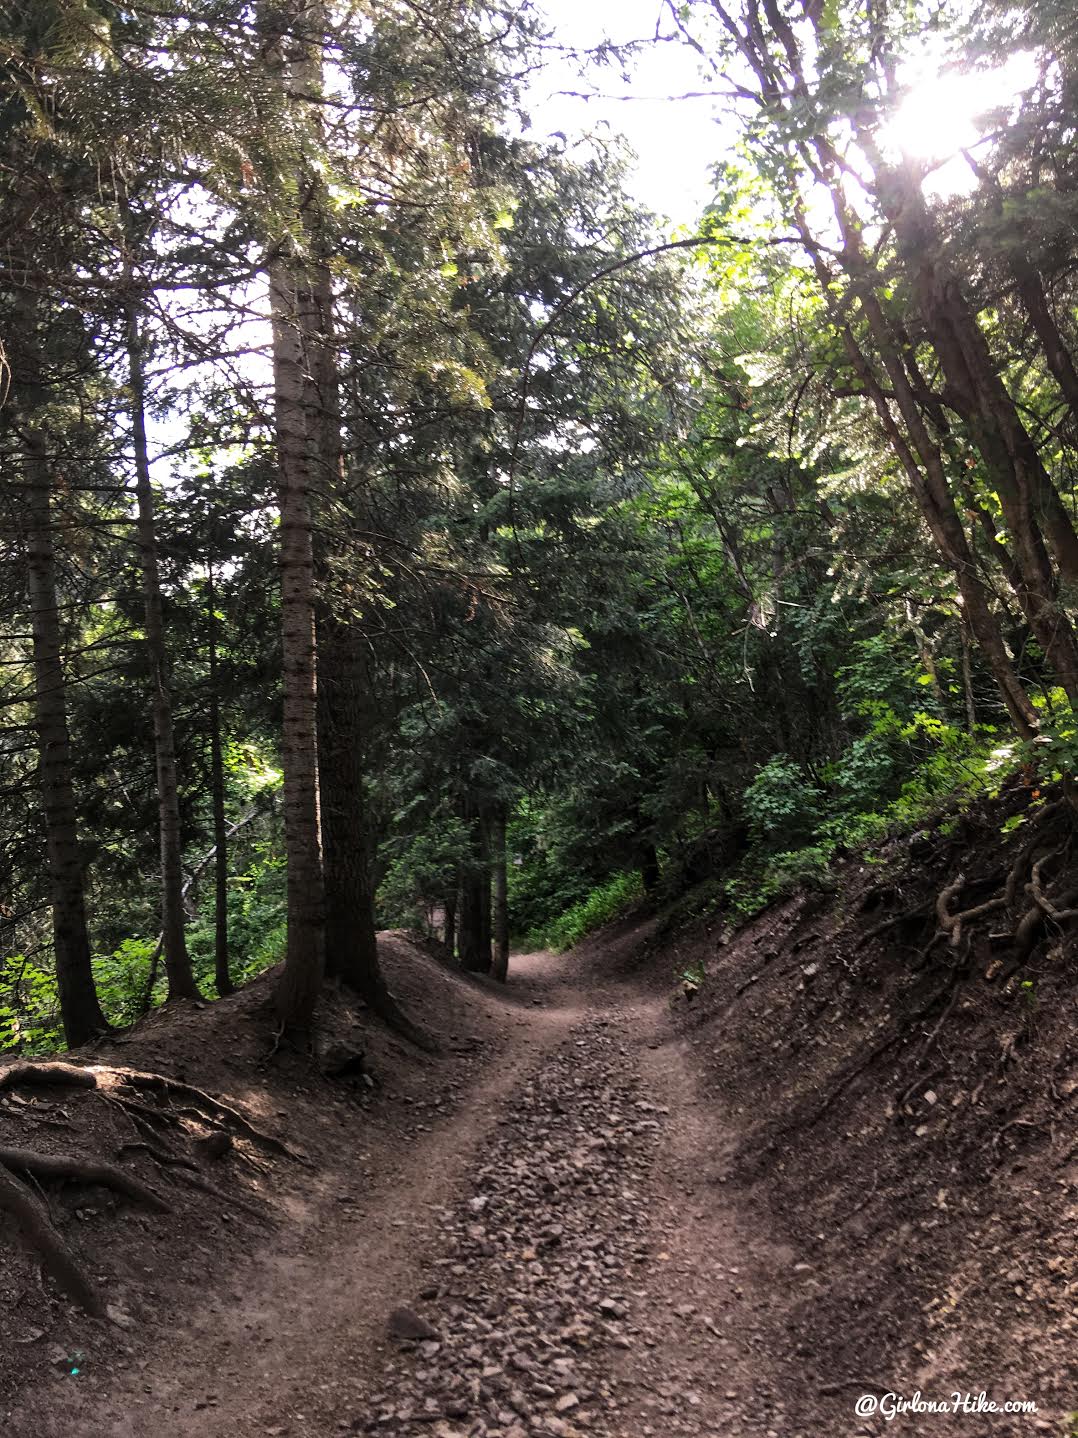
541	1234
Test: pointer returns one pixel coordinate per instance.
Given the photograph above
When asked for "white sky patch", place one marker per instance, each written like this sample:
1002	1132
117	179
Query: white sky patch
676	140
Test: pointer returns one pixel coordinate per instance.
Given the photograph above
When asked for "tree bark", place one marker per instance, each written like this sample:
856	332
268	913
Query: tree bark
474	916
79	1007
351	945
298	345
222	977
500	966
181	979
301	977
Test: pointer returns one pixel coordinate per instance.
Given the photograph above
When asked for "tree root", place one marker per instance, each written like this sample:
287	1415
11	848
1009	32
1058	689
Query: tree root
58	1260
189	1174
1014	1123
216	1109
193	1180
159	1155
63	1166
950	924
906	916
48	1074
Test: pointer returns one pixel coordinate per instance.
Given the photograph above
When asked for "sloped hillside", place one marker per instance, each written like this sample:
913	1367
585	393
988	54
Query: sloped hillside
899	1062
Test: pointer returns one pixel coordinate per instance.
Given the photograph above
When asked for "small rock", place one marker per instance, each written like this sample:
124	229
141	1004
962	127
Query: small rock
405	1324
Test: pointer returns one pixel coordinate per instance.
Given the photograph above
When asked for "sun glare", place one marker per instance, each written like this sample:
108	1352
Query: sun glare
944	114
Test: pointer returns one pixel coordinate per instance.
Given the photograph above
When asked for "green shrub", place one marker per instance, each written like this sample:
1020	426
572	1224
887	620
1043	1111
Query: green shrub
782	803
29	1008
600	906
757	884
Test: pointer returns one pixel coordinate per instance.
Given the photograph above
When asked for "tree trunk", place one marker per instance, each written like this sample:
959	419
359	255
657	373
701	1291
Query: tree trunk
501	896
79	1006
1032	294
301	977
222	977
351	945
967	680
80	1010
181	979
301	347
649	868
474	919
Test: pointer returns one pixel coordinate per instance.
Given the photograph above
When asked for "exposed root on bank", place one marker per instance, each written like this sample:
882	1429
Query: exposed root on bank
42	1238
181	1111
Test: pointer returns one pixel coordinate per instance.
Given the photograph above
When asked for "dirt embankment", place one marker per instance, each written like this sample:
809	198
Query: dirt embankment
897	1063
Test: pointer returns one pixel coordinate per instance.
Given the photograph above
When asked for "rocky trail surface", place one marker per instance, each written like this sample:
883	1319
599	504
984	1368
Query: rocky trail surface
529	1254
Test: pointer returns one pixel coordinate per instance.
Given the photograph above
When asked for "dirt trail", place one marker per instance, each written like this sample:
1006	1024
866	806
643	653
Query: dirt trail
559	1229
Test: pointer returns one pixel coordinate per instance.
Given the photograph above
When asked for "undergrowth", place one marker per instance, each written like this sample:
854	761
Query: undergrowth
600	906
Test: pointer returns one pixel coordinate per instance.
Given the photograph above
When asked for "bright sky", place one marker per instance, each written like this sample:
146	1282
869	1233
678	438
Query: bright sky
677	141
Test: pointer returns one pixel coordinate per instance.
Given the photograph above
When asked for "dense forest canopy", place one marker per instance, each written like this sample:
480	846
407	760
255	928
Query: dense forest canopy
402	526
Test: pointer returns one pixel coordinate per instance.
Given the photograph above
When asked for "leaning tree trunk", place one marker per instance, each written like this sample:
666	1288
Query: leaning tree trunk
918	454
222	977
79	1006
181	979
1031	502
500	968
